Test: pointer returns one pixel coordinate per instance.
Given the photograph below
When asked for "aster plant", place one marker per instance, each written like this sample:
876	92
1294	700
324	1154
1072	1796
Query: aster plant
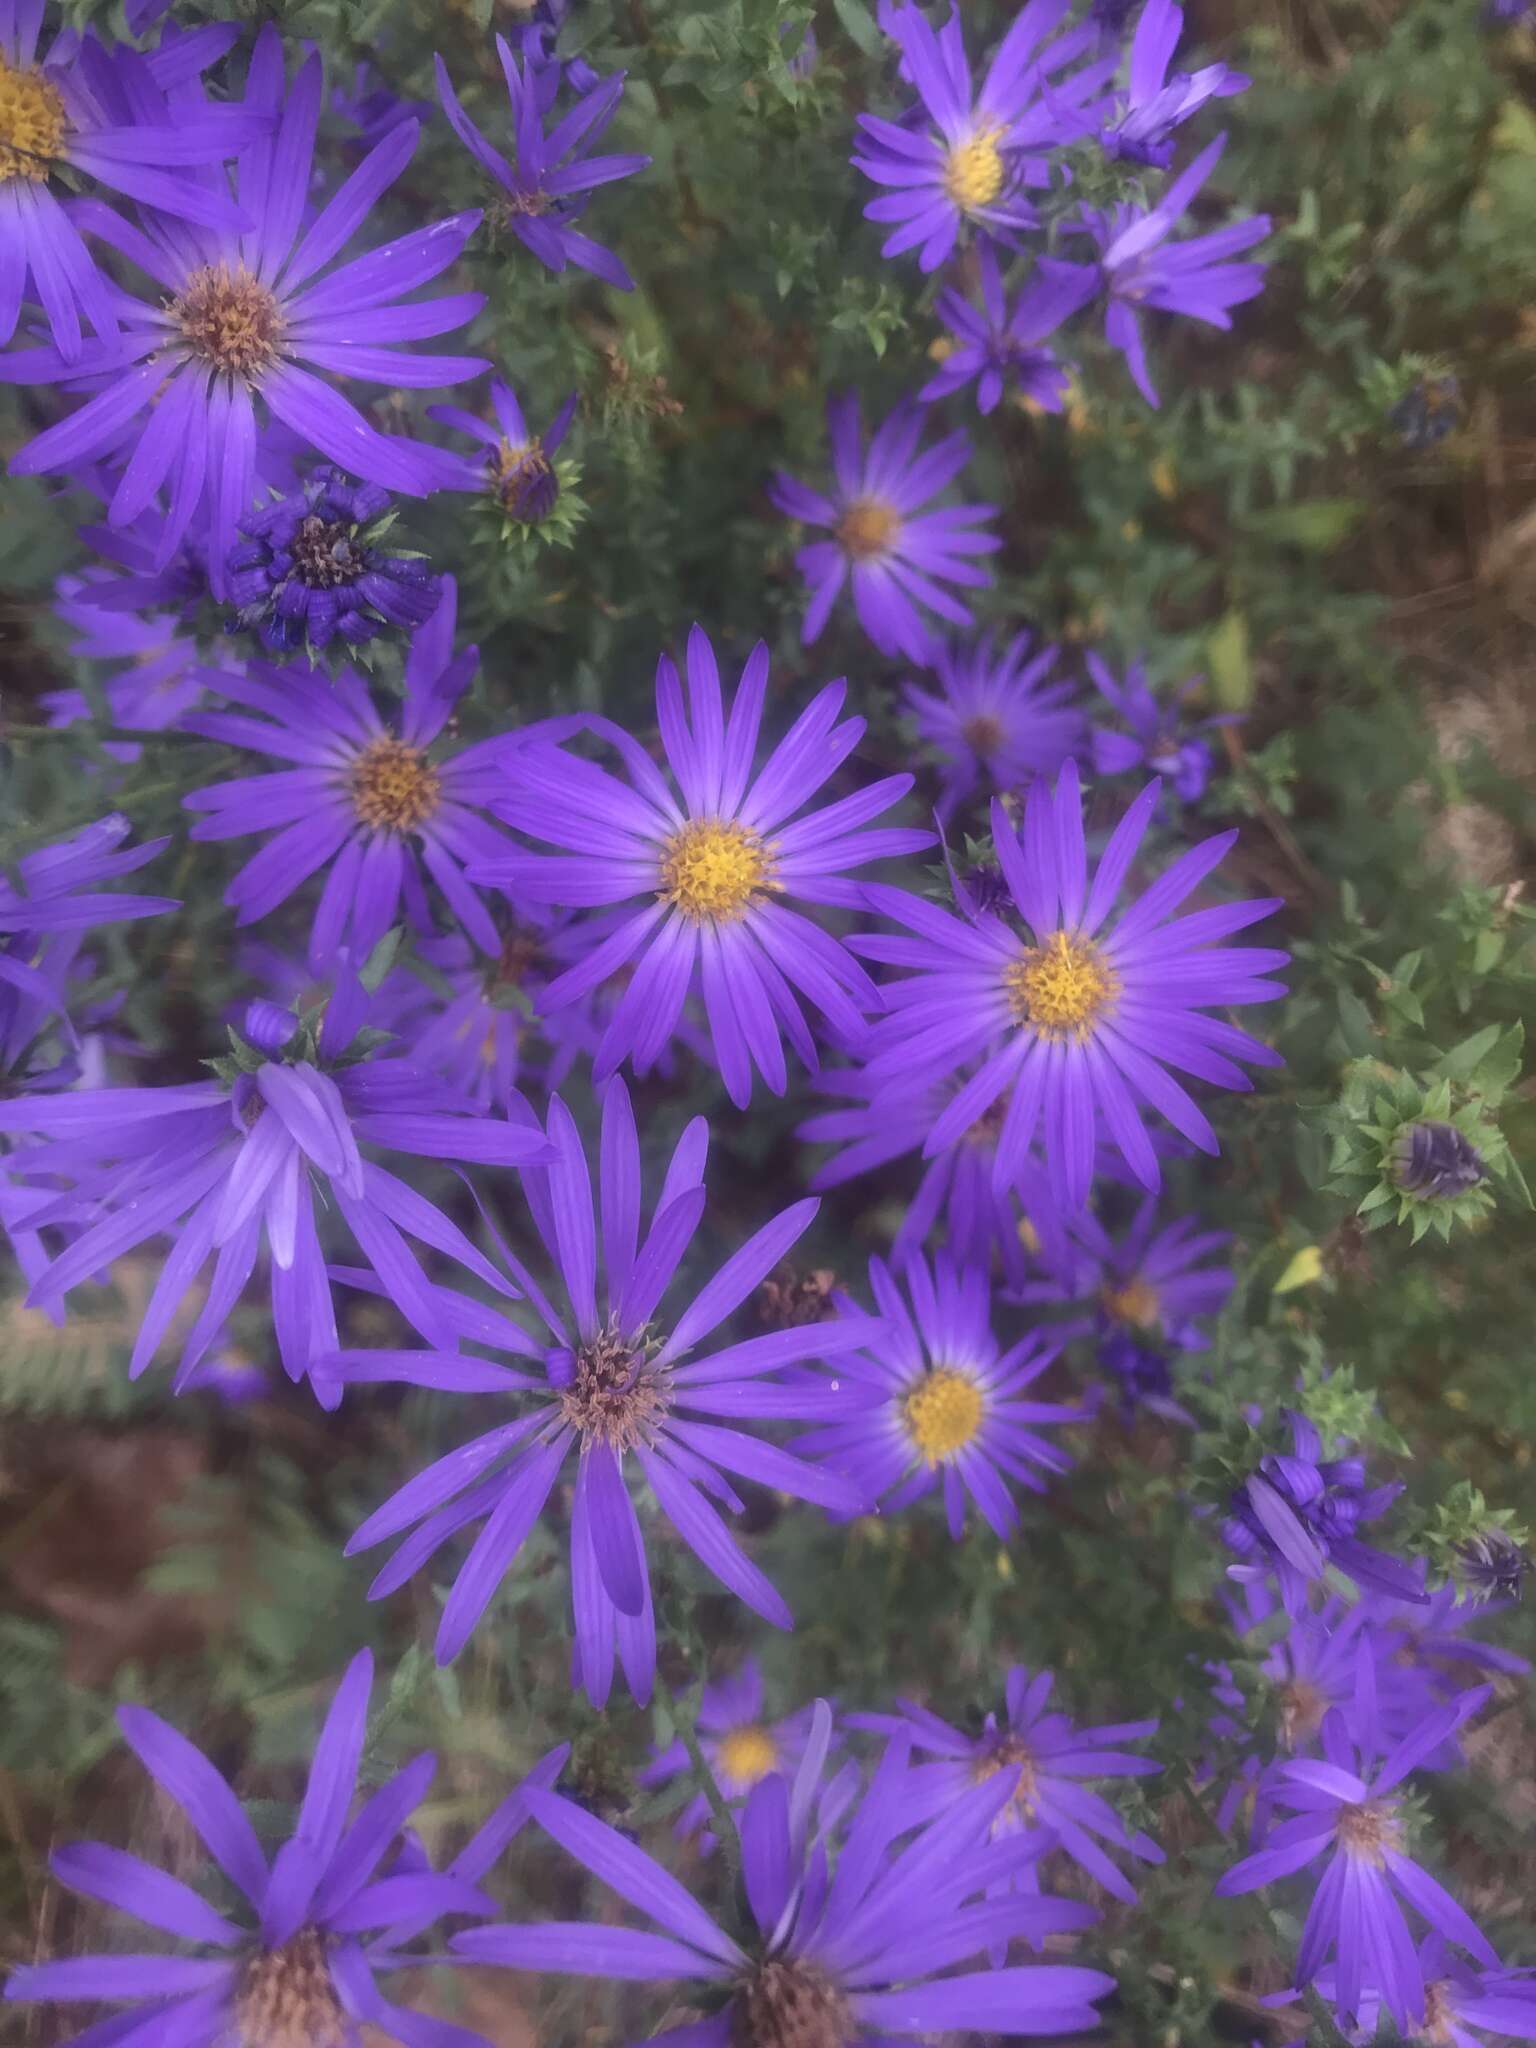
518	474
1081	1018
1047	1758
934	1401
616	1386
546	184
316	1922
372	799
107	114
238	322
842	1962
739	1742
998	347
315	567
239	1164
894	557
718	854
1344	1809
1000	715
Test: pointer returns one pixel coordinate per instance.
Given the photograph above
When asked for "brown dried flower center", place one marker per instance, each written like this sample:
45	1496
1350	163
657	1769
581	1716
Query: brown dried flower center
286	1999
984	733
394	786
1011	1753
324	554
868	527
615	1393
1365	1832
33	123
791	2005
230	319
1136	1303
1302	1708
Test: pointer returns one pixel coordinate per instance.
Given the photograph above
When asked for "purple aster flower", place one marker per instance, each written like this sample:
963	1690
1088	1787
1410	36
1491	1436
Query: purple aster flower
373	108
517	471
233	319
163	677
617	1387
1150	1288
105	114
973	157
932	1399
1297	1513
315	566
1139	267
997	347
365	799
1082	1017
1428	1637
240	1161
739	1743
298	1957
894	557
547	184
1428	412
845	1952
1162	738
1436	1160
997	716
1343	1809
982	1223
717	863
1144	117
1492	1564
55	896
1498	2004
1047	1757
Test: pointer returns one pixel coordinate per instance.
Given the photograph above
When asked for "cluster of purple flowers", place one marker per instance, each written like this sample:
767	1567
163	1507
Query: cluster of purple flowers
483	923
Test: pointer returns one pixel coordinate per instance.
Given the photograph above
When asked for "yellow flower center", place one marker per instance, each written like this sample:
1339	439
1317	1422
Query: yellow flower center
747	1754
1137	1303
33	123
714	869
943	1413
395	788
984	733
1062	988
975	172
868	527
230	319
1029	1237
286	1998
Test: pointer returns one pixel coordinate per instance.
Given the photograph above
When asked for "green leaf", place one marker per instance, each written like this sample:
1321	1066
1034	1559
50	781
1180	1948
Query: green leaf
861	26
1226	657
1316	524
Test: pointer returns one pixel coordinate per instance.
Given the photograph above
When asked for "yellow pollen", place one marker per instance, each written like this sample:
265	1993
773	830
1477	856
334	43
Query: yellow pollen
868	527
1062	988
286	1999
230	319
983	734
943	1414
395	788
747	1754
1029	1237
974	173
714	869
1136	1303
1365	1831
33	123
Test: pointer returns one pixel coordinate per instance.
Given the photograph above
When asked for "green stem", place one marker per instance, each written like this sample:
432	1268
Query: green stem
685	1721
1329	2032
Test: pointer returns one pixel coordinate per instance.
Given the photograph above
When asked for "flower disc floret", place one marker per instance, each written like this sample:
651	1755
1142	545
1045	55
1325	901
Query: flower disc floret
395	788
229	318
287	1998
943	1414
33	122
615	1396
867	528
747	1754
1062	988
791	2005
975	172
714	869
